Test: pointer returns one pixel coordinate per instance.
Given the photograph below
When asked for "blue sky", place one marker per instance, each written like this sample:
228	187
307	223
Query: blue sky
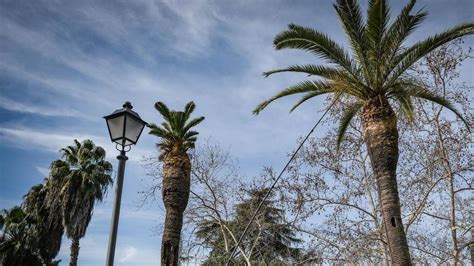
64	65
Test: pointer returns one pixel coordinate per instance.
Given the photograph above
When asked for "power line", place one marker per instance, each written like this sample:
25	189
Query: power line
276	180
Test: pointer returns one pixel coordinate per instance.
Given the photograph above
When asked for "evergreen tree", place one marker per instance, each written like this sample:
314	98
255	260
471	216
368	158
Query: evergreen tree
268	240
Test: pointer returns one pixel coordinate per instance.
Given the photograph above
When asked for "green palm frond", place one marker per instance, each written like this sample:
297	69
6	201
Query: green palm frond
190	134
167	126
306	97
352	21
405	103
158	131
189	108
400	29
193	123
305	86
346	118
163	110
310	70
420	49
175	129
330	73
422	93
298	37
377	21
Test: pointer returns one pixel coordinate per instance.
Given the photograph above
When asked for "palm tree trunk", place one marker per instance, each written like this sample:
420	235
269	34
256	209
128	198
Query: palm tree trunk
381	138
471	247
74	251
176	185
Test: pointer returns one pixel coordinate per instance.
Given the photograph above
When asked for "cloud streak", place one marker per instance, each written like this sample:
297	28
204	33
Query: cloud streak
31	139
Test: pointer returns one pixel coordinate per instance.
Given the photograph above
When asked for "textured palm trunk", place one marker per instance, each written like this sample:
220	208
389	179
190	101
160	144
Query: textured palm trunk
74	251
176	185
51	242
381	138
471	247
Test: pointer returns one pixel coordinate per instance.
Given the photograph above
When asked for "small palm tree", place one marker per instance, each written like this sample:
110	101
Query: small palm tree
176	138
87	175
373	79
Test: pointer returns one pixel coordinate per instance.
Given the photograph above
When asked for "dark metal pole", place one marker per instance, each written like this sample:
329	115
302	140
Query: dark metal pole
116	211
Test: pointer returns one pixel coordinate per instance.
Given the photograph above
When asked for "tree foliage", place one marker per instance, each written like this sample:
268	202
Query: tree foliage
269	239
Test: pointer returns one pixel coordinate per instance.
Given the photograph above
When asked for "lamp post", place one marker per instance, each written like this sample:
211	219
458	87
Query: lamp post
125	127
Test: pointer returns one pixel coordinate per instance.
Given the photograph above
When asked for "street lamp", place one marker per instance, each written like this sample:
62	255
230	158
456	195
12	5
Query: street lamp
125	127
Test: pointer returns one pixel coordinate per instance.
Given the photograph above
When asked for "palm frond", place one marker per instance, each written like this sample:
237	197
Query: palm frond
346	119
420	49
351	18
305	86
377	20
298	37
310	70
405	103
193	123
159	132
306	97
422	93
400	29
190	134
163	109
188	109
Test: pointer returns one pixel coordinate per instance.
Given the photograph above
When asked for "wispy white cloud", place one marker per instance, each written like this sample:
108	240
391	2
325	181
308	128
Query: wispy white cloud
129	254
93	251
32	108
43	170
29	138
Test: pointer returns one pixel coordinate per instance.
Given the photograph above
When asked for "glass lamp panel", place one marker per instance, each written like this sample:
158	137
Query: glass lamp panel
134	128
116	127
127	142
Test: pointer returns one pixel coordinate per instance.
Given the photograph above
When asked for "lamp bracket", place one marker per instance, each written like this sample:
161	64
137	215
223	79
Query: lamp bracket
123	148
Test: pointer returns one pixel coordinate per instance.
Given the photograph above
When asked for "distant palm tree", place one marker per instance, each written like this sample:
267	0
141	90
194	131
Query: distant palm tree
374	78
87	176
176	139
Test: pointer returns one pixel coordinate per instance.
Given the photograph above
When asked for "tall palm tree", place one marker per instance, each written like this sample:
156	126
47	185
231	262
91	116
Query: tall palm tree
374	79
176	138
87	176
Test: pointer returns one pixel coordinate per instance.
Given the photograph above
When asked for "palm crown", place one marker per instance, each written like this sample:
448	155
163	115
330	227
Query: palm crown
175	132
87	179
379	62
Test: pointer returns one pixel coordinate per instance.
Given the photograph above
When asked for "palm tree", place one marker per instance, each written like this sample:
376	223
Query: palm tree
48	227
87	176
176	139
18	246
373	79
